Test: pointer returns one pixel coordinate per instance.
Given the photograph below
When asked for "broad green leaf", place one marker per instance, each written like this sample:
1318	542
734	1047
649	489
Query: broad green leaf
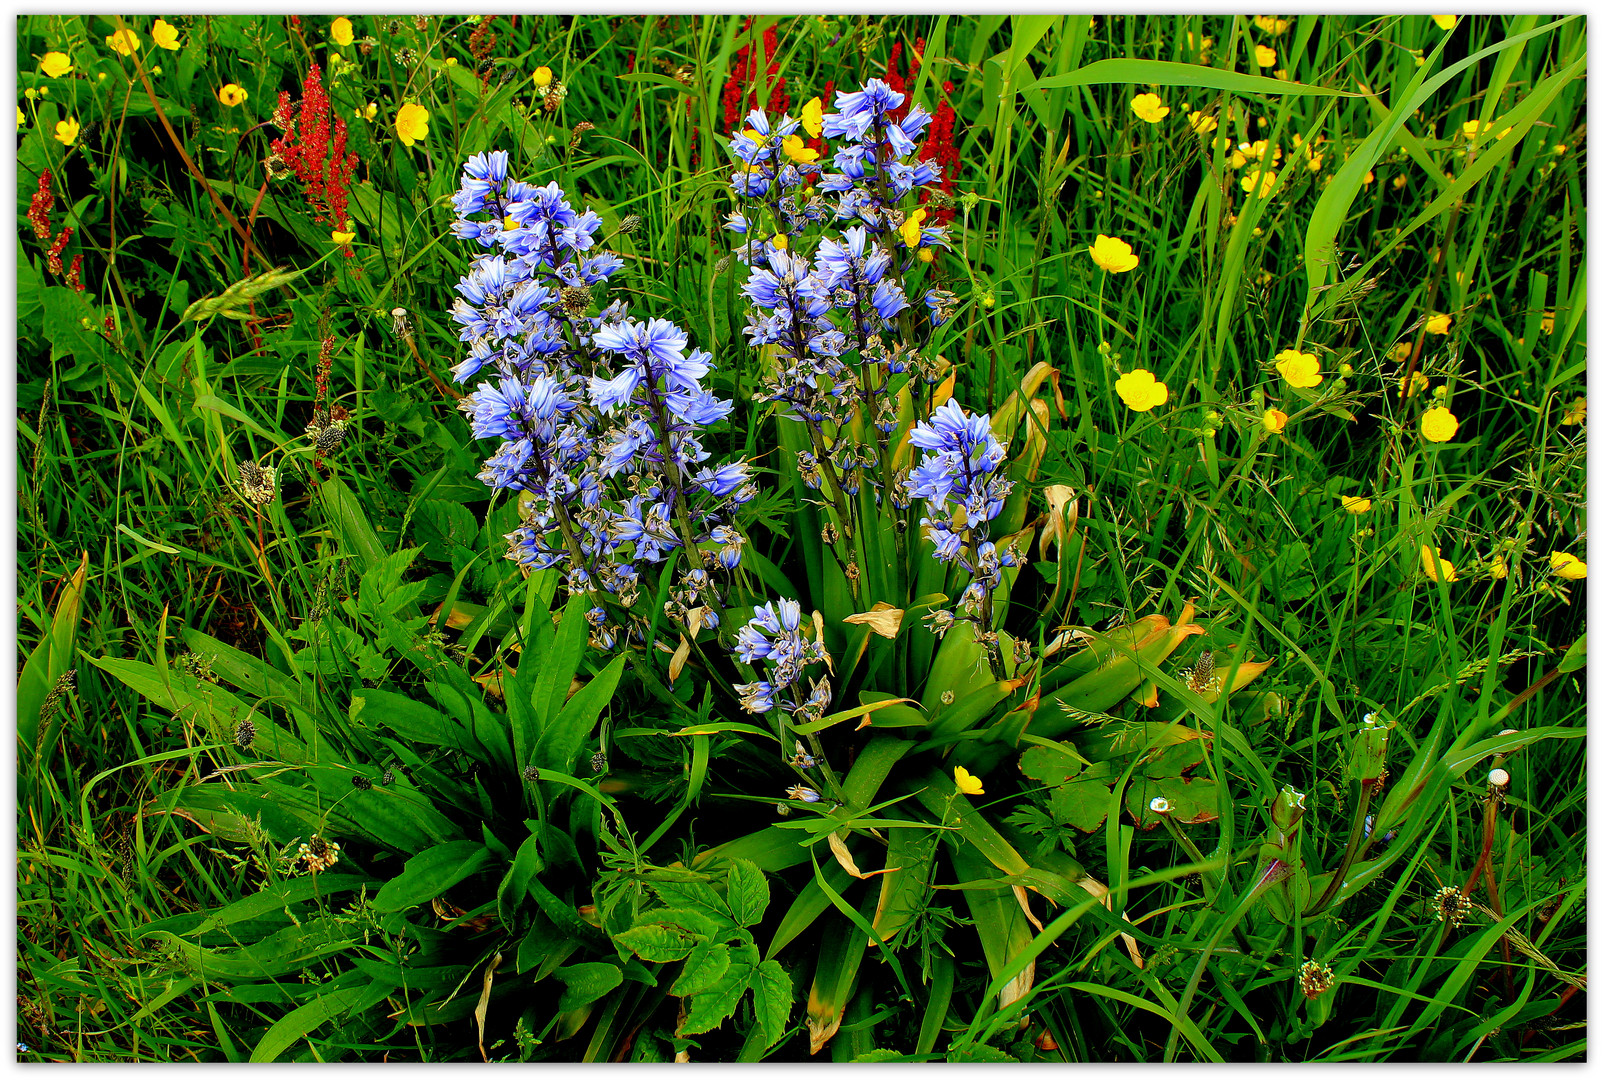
693	894
660	943
748	892
711	1007
297	1024
586	983
707	963
773	995
429	874
561	740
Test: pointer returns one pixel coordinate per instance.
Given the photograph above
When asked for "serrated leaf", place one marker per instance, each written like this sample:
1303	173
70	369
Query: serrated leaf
660	943
773	994
707	963
711	1007
748	892
586	983
980	1054
693	894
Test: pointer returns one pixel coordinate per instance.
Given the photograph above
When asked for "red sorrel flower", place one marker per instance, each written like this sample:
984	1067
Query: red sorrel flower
44	201
941	148
739	93
315	150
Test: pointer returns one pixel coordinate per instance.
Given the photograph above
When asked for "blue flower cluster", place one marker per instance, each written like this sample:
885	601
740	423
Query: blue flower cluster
600	416
961	470
847	298
776	637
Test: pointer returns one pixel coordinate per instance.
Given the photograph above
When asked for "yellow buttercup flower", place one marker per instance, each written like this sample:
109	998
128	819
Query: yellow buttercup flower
55	64
1149	107
165	35
542	77
1567	567
1445	22
797	150
1353	505
1259	181
1419	383
232	94
1274	421
342	237
1272	26
341	32
1438	324
1141	391
21	119
967	782
1573	413
1498	568
123	42
1298	368
1265	56
1429	558
411	123
1438	424
67	131
812	117
912	228
926	255
1201	124
1113	256
371	110
781	241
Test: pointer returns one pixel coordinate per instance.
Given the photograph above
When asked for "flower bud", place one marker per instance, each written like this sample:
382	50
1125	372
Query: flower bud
1367	760
1499	778
1288	809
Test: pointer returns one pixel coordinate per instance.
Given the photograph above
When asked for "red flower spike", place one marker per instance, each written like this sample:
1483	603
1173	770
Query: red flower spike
44	201
315	149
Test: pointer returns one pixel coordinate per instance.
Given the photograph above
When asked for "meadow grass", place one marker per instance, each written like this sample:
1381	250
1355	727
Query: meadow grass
1418	172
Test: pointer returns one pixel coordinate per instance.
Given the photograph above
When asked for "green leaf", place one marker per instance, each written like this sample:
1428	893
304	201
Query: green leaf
693	894
707	963
586	983
659	942
429	874
514	886
414	721
299	1023
561	741
1123	72
748	892
773	994
1574	659
980	1055
710	1008
559	662
350	521
1049	765
278	896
